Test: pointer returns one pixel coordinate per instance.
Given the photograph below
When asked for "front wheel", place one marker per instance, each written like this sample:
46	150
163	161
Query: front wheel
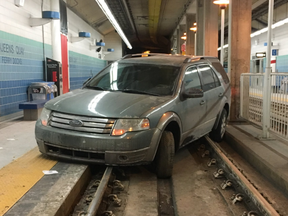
218	134
165	155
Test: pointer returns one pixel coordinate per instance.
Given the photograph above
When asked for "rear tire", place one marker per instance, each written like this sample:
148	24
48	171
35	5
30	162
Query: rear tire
165	155
218	134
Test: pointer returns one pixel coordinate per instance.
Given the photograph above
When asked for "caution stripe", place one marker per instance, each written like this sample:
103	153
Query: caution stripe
19	176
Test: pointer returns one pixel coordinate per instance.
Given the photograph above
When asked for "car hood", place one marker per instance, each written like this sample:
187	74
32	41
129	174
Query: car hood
104	103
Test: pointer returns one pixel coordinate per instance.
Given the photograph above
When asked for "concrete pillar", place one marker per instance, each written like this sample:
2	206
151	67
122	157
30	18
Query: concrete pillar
239	49
182	30
200	28
178	41
55	33
190	41
207	28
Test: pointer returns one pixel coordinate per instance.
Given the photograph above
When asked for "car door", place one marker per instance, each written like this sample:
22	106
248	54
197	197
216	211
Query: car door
191	110
213	92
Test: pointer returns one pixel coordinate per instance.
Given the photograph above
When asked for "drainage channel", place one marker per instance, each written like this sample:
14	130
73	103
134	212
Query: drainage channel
231	176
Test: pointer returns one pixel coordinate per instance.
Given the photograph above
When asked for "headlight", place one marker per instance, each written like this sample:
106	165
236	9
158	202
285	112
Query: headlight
45	114
124	125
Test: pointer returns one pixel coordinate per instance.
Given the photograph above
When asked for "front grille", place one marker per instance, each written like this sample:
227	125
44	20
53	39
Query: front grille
88	124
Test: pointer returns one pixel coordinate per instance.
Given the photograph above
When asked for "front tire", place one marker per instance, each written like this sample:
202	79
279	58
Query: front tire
218	134
165	155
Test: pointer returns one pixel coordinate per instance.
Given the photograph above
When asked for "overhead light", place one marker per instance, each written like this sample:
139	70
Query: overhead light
193	29
260	54
183	37
195	24
106	10
222	3
184	33
275	25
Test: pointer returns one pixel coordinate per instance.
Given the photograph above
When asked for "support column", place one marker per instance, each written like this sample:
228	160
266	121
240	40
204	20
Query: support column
200	34
190	41
207	28
239	49
178	38
182	30
55	32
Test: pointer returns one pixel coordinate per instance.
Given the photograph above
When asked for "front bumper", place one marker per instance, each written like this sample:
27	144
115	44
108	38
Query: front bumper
129	149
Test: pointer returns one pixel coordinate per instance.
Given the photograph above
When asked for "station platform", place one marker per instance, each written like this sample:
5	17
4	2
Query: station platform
26	190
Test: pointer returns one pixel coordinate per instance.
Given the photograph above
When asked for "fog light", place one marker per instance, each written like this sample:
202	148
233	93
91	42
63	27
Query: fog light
123	158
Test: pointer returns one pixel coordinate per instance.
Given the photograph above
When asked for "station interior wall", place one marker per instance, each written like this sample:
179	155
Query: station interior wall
279	39
23	49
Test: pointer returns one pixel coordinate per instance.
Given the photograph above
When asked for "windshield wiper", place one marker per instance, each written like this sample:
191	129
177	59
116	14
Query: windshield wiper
94	87
138	91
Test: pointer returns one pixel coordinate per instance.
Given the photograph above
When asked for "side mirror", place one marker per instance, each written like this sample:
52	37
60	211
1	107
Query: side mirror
86	81
192	93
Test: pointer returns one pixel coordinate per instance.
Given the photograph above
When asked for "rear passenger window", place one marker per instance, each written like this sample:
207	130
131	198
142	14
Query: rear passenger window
210	80
221	70
192	79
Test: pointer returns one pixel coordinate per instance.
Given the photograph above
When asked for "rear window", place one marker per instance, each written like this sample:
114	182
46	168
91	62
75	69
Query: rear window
221	70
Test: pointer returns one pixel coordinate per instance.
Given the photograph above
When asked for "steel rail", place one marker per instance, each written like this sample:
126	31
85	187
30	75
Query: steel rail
263	206
97	198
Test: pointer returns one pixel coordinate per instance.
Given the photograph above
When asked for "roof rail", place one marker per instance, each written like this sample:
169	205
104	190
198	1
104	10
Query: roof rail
197	58
143	55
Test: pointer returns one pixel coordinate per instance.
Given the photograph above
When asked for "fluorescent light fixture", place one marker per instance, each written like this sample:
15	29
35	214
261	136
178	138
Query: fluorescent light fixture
225	46
275	25
106	10
260	54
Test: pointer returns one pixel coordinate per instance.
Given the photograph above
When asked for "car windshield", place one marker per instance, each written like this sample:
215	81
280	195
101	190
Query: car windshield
137	78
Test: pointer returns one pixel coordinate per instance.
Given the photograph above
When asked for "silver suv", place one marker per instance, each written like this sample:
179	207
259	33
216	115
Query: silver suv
137	110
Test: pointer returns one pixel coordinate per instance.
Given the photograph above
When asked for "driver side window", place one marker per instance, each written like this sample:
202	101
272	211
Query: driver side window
191	79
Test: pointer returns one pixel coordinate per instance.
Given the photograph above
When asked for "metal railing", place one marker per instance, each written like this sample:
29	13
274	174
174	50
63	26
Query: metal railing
251	100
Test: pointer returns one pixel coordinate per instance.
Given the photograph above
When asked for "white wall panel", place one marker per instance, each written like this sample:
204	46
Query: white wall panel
77	25
113	40
15	20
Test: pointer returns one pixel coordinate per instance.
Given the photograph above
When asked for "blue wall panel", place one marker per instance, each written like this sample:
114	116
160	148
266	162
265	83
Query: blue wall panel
21	63
81	67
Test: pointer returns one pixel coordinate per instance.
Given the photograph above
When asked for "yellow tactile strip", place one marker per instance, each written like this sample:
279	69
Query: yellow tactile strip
19	176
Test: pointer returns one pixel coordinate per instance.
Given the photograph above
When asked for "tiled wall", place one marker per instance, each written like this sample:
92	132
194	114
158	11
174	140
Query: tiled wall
81	67
282	63
21	63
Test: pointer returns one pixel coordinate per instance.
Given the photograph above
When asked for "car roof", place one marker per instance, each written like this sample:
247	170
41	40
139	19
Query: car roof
162	59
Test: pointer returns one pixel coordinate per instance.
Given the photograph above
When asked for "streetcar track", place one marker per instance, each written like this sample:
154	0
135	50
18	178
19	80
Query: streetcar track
167	198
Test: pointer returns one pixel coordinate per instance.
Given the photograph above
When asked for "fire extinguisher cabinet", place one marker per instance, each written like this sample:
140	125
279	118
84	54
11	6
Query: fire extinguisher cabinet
54	74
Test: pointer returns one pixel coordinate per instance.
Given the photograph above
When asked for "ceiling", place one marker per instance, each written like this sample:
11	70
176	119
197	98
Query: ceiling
149	24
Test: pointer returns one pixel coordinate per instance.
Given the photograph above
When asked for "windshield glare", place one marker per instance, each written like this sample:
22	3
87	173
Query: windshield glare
154	79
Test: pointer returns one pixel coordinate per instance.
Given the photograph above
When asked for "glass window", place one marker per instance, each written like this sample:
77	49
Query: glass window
208	77
137	78
216	79
191	79
221	70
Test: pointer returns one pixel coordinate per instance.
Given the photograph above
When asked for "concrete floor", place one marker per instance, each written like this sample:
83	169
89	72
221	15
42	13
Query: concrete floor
16	139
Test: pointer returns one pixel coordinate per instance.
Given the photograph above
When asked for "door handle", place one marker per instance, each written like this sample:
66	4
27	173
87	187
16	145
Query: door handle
220	95
202	102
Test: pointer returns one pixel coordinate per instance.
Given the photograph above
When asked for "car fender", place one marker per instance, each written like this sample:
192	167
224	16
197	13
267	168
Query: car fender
225	101
165	119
